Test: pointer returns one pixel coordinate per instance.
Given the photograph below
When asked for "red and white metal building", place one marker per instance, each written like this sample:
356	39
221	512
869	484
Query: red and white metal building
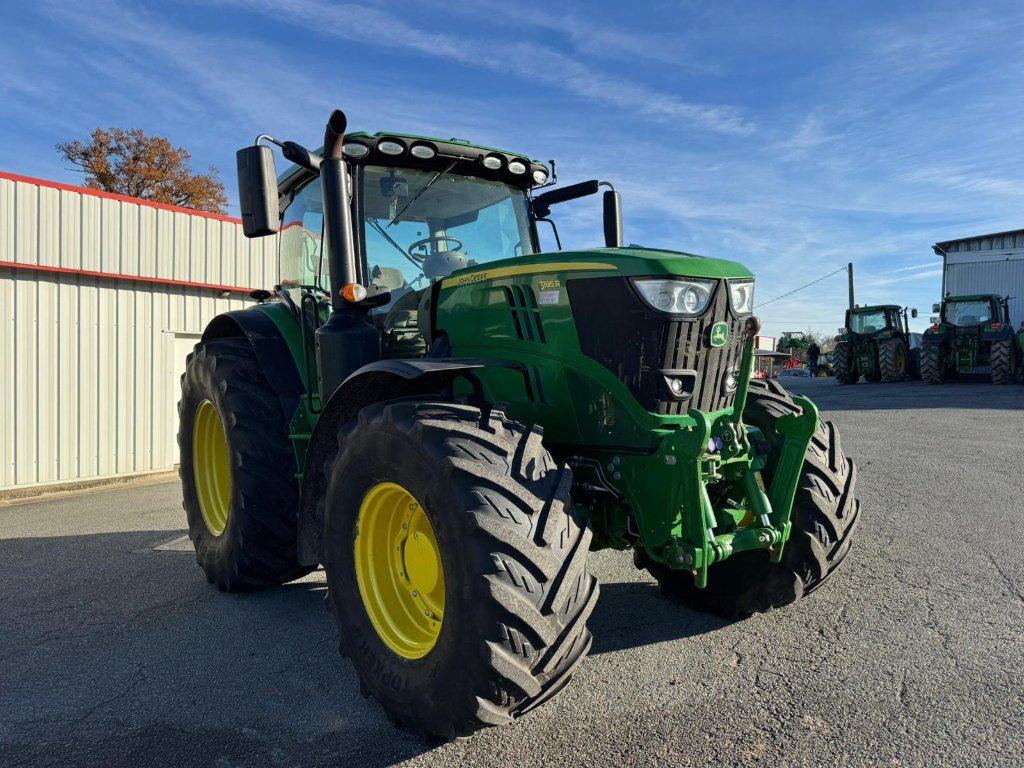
101	299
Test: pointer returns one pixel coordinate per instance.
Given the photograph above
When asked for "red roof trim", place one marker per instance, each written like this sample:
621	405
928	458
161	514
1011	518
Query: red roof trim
112	196
131	278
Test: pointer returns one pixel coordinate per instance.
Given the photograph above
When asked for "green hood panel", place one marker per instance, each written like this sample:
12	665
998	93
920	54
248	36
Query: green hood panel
628	262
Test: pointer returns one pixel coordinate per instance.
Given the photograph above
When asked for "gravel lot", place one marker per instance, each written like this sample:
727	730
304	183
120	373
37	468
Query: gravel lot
113	653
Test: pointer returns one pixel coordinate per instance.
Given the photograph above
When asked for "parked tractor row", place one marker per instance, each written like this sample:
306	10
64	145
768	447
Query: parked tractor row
970	335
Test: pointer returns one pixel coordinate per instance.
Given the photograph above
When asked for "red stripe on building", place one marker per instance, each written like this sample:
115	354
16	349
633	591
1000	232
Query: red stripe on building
131	278
112	196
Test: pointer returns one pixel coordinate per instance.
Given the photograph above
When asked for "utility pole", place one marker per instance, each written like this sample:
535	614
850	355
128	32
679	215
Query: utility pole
849	272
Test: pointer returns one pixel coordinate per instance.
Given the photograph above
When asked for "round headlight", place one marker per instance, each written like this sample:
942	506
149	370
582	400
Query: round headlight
493	162
391	148
355	149
540	176
517	167
663	300
422	151
689	300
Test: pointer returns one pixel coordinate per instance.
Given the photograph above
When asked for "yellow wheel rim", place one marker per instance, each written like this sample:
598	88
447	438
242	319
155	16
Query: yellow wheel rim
211	467
399	570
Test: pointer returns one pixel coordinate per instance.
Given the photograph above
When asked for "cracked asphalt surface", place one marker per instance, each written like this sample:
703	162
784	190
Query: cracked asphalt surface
113	653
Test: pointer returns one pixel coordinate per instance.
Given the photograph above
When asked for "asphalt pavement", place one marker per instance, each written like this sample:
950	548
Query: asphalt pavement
114	650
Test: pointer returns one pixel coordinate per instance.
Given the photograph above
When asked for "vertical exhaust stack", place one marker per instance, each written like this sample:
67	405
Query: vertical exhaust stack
337	211
347	341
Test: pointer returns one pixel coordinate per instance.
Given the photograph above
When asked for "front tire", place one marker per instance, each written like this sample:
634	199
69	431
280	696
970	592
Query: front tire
892	360
1001	361
237	470
505	574
825	515
842	361
932	371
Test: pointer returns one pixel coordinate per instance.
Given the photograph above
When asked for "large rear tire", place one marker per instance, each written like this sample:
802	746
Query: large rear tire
825	516
932	370
487	621
842	362
892	360
237	470
1001	361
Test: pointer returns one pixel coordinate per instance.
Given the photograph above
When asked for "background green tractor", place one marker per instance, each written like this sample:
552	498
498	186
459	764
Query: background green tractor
875	343
972	334
449	420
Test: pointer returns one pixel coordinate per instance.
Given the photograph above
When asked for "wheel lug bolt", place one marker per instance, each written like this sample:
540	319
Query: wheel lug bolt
415	593
405	525
427	614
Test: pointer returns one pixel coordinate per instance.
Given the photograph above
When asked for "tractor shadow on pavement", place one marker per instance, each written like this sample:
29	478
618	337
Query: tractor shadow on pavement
633	614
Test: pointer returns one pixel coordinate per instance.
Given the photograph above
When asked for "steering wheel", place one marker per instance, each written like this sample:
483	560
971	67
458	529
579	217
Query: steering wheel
433	240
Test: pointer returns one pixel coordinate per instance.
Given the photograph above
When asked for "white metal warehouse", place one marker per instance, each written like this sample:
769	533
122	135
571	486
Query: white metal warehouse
986	264
102	298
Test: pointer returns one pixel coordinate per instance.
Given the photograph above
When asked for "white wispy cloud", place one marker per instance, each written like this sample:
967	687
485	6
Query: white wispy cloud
524	59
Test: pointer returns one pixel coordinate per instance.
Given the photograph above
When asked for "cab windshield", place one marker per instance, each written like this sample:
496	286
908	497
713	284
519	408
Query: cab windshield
419	226
968	312
868	322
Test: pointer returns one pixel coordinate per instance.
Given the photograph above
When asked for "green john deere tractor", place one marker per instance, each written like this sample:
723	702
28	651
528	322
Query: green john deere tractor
970	334
449	420
875	343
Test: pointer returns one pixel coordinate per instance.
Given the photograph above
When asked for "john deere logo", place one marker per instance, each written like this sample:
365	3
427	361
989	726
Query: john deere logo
719	334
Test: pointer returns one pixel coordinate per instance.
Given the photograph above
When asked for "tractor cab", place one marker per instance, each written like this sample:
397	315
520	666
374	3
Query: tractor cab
973	311
868	321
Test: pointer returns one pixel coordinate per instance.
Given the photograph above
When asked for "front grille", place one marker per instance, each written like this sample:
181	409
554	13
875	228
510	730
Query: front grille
635	343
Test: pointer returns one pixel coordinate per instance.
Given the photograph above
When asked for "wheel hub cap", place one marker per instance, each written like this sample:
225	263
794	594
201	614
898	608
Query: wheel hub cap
399	570
211	468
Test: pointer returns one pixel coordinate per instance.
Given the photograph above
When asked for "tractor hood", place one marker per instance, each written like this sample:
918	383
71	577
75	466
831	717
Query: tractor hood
626	262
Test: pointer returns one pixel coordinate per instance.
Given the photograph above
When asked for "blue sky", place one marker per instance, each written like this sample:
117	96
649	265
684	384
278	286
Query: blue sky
791	136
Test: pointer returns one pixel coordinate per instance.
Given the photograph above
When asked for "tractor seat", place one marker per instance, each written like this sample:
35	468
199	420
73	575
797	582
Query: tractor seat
403	335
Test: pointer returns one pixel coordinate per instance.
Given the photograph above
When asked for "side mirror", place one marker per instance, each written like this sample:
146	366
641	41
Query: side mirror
542	203
936	307
913	313
257	191
612	219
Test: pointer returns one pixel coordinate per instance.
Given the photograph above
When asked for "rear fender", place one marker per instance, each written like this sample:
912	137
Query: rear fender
373	383
996	332
276	357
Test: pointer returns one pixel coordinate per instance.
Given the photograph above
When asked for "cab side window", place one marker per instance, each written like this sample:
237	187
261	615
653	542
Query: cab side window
302	258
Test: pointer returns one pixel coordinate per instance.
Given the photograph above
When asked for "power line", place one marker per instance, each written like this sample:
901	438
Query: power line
841	269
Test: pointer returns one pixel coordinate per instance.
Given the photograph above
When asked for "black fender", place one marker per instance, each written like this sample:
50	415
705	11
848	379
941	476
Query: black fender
373	383
934	337
272	352
997	334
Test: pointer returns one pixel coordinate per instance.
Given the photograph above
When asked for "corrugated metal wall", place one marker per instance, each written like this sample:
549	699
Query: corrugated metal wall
988	264
89	363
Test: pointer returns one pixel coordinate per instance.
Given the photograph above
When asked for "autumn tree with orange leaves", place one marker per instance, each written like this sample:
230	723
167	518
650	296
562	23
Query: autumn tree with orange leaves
148	167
